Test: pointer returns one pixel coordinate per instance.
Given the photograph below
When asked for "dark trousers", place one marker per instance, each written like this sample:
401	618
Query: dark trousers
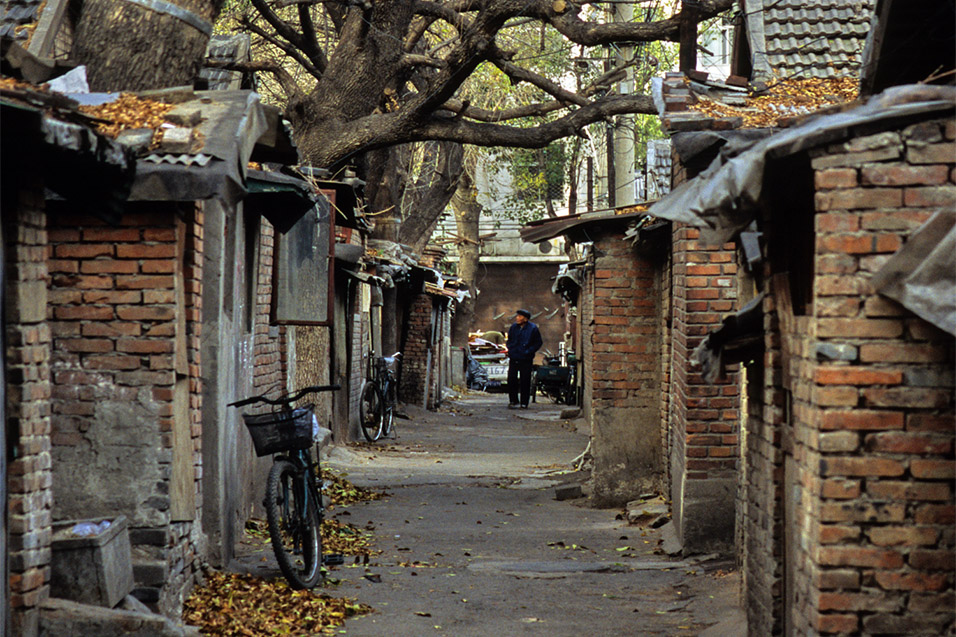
524	369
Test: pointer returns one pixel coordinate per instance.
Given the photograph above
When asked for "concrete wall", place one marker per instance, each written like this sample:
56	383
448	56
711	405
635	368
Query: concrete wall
227	370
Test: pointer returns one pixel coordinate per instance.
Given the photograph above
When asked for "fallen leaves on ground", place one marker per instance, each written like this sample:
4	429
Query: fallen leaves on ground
342	492
128	112
784	99
237	604
346	539
337	537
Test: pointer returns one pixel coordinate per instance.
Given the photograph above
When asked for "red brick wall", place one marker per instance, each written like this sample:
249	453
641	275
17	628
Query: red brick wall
114	321
415	352
880	431
850	451
359	353
704	416
268	369
27	408
624	373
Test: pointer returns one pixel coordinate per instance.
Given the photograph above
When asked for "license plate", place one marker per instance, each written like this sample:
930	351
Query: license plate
497	370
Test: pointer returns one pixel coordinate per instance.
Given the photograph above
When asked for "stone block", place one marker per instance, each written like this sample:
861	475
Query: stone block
93	569
568	492
63	618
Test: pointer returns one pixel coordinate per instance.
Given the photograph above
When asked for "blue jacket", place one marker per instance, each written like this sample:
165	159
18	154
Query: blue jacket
523	341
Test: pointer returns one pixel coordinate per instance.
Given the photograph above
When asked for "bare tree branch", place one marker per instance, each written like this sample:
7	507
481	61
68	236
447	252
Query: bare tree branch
481	134
411	59
310	42
285	47
285	79
521	74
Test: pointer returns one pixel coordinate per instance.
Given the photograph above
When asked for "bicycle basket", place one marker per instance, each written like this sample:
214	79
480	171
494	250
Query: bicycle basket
280	431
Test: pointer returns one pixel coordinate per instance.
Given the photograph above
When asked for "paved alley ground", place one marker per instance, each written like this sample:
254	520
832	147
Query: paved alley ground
474	542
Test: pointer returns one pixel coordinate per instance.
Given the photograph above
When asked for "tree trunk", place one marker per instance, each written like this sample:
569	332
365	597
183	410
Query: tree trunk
467	213
127	47
434	187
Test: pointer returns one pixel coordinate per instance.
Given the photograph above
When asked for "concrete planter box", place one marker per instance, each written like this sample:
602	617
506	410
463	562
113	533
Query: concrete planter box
92	569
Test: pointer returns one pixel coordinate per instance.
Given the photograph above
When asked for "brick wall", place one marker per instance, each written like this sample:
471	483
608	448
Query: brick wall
27	405
850	443
122	353
624	373
415	357
880	433
665	320
359	361
268	369
704	416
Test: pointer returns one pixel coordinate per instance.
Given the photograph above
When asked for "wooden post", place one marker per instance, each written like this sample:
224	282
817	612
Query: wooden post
688	35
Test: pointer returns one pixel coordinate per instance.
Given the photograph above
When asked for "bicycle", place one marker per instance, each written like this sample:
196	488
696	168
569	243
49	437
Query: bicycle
293	503
378	398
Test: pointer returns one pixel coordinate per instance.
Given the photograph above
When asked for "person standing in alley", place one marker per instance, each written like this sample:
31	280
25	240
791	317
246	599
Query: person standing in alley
524	339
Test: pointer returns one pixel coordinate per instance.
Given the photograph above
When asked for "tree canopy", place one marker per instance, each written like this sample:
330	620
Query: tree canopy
391	72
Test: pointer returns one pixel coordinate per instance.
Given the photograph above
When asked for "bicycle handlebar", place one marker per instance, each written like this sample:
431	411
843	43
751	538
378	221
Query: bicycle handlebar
285	400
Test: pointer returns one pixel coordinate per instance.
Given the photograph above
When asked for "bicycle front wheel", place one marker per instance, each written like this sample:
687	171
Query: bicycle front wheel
371	412
388	410
294	525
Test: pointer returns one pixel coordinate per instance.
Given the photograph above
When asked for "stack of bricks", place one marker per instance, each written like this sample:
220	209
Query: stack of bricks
861	438
624	372
703	416
27	408
116	330
415	352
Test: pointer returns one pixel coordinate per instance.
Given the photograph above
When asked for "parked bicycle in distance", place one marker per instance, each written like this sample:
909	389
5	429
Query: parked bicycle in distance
293	501
378	398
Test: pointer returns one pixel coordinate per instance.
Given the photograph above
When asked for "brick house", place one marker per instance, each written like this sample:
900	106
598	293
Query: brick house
619	351
33	141
426	333
106	311
847	476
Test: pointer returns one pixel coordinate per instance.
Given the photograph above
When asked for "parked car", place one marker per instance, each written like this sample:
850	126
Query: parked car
493	359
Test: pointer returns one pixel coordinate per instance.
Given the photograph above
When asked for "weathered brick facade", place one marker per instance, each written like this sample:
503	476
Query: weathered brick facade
125	311
850	525
415	351
703	417
27	404
620	332
269	368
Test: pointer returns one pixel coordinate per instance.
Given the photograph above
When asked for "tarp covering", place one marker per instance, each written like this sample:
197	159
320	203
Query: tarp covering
724	199
921	276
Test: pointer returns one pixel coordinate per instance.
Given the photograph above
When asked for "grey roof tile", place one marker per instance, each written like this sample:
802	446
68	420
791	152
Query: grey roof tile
789	37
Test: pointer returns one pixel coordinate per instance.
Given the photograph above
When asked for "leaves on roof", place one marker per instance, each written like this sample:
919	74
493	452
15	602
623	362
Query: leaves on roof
785	99
129	112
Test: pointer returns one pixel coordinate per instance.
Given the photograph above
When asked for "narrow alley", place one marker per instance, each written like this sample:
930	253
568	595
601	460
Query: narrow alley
474	542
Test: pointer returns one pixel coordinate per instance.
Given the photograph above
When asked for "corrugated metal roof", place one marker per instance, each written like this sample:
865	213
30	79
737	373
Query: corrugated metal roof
808	38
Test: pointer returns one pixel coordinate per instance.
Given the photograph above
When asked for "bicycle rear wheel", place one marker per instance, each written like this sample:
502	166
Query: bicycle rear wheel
371	411
294	525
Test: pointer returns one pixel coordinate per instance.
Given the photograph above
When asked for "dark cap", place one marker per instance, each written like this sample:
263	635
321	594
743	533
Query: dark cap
524	313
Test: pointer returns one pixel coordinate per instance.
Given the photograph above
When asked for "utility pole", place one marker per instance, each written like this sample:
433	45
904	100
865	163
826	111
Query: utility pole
688	35
622	181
